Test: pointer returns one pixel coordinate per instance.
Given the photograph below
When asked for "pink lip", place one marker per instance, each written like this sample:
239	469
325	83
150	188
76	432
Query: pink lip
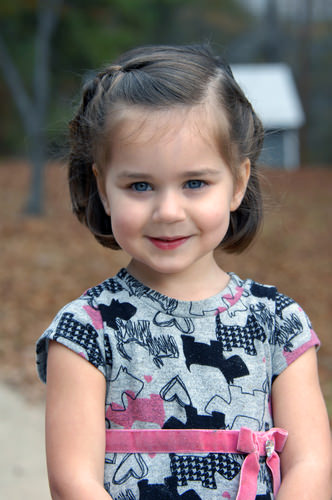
168	243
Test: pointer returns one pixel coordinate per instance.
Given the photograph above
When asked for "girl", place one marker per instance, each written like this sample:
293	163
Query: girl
198	374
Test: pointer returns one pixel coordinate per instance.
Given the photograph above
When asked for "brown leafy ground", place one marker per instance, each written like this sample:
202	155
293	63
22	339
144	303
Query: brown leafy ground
48	261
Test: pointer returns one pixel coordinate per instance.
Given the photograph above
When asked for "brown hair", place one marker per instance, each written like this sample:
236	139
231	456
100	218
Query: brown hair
163	77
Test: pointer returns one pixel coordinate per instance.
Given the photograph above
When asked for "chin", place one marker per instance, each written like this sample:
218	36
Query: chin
163	269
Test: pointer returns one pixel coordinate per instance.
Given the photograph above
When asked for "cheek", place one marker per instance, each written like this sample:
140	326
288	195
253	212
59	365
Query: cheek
122	223
218	223
215	215
127	219
123	228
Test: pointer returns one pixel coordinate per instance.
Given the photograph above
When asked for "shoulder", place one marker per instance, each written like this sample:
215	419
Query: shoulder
287	328
283	319
278	303
253	293
108	287
79	325
291	333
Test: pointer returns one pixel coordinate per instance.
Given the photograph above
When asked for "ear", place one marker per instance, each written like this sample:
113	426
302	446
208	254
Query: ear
101	189
241	184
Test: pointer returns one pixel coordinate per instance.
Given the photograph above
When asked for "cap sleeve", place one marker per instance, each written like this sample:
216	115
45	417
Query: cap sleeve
292	335
78	326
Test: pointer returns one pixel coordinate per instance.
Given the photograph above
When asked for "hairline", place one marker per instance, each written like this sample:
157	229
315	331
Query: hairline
217	132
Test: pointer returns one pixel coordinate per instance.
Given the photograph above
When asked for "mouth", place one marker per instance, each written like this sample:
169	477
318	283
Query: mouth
168	243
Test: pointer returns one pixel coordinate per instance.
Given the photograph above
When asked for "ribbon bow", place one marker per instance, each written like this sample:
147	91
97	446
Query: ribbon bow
256	444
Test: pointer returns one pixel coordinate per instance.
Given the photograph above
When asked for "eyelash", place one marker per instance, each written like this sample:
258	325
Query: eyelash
135	187
191	184
198	184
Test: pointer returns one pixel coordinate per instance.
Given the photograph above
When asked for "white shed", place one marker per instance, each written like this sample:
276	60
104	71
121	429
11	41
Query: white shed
272	91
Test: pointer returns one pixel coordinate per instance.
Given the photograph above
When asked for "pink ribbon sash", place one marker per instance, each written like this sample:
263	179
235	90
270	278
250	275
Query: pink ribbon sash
244	441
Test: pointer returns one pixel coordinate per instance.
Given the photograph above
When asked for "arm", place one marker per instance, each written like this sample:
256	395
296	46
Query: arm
298	407
75	426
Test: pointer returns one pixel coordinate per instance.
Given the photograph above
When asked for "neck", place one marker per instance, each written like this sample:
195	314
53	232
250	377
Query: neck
184	285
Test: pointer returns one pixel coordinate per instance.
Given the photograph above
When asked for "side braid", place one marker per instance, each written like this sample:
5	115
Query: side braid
258	133
80	174
86	203
246	220
248	134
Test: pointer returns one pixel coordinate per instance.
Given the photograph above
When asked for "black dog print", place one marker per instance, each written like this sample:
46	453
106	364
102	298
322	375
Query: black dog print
231	336
167	491
203	468
116	309
197	353
194	421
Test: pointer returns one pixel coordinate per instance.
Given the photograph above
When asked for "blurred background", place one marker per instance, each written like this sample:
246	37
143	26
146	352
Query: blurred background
280	52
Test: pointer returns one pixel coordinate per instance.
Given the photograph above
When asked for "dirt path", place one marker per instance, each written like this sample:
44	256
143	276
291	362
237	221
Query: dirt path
22	456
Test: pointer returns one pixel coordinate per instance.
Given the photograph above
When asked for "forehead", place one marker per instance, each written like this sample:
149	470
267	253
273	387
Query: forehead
136	124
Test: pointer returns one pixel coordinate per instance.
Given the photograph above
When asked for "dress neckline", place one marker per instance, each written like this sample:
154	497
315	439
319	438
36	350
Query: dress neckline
216	304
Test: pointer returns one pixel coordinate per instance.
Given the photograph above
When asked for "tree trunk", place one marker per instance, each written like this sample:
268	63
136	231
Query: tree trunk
33	110
37	160
305	68
48	12
271	47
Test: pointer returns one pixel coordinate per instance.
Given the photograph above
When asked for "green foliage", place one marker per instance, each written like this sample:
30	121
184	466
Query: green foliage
92	33
17	28
13	8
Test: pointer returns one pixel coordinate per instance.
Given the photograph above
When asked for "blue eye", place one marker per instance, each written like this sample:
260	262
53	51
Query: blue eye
195	184
141	186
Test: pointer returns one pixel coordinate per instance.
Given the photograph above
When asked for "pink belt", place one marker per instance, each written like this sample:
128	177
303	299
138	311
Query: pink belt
244	441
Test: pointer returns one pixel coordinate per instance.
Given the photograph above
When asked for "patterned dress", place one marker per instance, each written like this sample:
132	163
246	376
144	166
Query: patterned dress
173	364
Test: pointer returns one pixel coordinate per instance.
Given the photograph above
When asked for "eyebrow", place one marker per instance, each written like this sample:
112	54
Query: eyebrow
202	172
187	174
134	175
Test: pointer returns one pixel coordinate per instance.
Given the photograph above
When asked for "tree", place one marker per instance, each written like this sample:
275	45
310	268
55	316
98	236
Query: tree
89	35
33	108
305	69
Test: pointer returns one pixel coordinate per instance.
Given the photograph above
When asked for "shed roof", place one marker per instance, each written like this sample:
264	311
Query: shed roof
272	91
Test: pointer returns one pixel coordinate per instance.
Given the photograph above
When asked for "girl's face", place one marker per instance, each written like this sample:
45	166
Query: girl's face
169	194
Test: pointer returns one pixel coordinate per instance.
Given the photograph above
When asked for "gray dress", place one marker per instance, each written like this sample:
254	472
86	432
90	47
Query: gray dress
173	364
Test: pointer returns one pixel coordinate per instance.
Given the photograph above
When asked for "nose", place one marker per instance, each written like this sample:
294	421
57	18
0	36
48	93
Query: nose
169	207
